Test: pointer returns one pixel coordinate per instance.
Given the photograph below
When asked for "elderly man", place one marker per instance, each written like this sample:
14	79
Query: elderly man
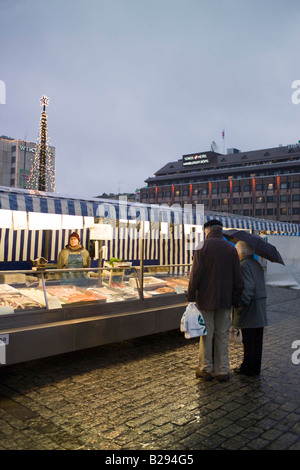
215	285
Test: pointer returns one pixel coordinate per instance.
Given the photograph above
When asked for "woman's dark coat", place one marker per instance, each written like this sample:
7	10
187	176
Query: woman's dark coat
253	297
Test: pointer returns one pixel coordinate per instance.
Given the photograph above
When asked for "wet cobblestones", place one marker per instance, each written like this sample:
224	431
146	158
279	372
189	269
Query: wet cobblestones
143	395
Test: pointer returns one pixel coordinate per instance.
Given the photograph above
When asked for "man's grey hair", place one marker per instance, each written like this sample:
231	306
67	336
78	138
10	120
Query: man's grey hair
215	228
244	248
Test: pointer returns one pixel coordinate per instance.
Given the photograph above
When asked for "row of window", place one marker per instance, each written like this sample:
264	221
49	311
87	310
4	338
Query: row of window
225	189
244	200
238	201
259	199
262	212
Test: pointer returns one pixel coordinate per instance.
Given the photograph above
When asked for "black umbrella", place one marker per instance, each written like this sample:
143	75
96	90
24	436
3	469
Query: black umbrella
261	247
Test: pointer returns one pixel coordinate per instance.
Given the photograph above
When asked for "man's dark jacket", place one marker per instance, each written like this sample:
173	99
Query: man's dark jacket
215	280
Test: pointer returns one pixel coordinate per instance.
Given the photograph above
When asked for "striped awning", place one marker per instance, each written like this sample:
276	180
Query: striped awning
249	223
17	199
49	203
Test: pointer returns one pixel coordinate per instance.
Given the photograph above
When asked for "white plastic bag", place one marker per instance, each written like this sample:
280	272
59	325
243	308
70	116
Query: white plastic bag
235	335
192	323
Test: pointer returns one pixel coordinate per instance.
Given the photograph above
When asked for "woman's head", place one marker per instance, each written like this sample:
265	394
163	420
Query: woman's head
244	249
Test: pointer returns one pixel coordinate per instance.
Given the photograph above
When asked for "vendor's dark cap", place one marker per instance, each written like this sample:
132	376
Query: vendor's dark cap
74	234
209	223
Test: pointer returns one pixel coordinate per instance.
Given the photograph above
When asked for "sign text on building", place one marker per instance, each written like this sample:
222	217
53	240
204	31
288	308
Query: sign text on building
195	159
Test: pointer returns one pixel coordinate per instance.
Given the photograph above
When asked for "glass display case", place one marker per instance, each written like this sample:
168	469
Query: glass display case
45	312
22	291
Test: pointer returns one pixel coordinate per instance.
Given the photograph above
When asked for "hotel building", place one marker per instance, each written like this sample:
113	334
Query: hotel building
261	183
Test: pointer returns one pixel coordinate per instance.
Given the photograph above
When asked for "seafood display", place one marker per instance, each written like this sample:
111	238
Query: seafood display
25	298
17	301
71	294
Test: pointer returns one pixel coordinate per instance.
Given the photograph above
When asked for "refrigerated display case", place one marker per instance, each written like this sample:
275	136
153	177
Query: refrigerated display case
40	316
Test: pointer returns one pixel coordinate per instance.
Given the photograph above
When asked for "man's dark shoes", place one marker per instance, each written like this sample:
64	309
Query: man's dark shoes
202	374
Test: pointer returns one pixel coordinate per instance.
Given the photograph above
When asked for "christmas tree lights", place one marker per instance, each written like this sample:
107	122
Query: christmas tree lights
42	173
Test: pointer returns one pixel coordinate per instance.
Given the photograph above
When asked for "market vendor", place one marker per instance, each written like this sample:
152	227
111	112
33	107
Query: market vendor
74	255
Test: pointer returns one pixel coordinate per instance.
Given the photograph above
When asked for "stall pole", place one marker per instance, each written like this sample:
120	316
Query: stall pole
44	288
46	245
142	248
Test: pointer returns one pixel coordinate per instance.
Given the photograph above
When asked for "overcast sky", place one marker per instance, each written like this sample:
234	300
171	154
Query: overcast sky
135	84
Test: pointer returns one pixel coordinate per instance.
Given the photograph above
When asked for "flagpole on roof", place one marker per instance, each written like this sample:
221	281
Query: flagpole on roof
223	137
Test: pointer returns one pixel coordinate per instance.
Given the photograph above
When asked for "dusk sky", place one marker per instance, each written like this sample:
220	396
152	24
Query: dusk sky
135	84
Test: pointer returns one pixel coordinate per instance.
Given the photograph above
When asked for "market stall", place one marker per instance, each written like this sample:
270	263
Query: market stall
141	256
40	317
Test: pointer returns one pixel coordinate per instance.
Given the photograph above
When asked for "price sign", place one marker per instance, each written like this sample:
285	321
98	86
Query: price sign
4	340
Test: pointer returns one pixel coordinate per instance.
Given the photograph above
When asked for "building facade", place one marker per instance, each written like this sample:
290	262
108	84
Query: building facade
262	183
16	159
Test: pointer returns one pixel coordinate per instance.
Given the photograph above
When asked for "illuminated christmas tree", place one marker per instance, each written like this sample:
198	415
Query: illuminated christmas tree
42	175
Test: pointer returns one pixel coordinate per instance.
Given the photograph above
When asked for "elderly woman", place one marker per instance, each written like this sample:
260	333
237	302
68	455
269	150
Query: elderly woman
251	312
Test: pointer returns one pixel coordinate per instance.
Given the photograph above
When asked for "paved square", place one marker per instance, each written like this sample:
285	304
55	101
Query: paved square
143	394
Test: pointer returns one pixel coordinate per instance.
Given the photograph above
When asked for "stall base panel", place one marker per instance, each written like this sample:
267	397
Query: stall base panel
29	343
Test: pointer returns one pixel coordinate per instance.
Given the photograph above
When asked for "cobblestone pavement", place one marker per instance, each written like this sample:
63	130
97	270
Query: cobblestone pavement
143	395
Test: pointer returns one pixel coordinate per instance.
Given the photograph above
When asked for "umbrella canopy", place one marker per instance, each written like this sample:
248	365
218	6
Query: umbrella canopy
261	247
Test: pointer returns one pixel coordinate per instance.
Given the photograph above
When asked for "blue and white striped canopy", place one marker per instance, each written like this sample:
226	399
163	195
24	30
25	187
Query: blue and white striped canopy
243	222
49	203
52	203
